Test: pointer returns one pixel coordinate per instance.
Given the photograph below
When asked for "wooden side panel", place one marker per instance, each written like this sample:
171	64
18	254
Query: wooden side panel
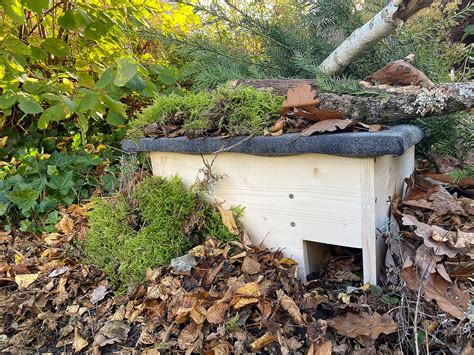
287	200
390	173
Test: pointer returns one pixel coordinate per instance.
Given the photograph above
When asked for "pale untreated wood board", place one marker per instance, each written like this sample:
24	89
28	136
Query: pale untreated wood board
326	191
390	173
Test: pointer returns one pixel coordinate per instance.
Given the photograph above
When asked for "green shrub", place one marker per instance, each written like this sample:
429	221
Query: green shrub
239	111
129	235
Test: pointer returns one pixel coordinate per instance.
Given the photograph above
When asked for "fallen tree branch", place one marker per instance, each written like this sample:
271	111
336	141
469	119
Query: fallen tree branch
392	105
380	26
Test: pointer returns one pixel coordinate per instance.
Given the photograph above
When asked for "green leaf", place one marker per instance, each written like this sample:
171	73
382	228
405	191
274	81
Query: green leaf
15	46
96	30
62	183
3	208
54	113
136	84
28	104
56	47
14	10
114	118
38	54
88	101
114	105
24	199
36	5
126	70
74	19
106	79
7	100
52	170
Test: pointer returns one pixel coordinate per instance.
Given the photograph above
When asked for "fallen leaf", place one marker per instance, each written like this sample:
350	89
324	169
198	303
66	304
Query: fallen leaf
264	340
247	294
363	325
25	280
330	125
300	96
189	335
433	236
447	295
98	294
228	220
217	312
79	342
250	265
323	348
65	225
290	306
443	202
112	332
287	262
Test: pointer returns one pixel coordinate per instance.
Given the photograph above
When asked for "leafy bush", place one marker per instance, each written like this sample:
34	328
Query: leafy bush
162	220
239	111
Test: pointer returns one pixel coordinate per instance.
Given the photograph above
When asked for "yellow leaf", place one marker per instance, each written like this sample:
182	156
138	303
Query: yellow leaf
247	294
25	280
287	262
365	287
228	220
79	342
65	225
3	141
18	258
345	297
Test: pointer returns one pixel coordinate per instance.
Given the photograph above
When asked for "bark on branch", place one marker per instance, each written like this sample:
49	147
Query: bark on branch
394	104
380	26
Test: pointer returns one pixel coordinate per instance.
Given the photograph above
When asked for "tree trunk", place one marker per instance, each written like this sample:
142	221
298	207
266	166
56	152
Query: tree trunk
380	26
392	105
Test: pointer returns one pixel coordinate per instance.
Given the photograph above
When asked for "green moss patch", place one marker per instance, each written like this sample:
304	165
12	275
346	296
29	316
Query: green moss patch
162	220
231	111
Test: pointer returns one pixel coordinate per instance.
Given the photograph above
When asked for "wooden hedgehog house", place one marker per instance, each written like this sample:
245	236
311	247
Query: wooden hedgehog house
301	193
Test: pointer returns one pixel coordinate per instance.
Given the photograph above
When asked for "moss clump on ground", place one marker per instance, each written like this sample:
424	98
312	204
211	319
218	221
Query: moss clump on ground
232	111
160	221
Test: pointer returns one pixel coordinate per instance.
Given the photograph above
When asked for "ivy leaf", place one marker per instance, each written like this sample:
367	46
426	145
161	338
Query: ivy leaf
62	183
25	199
36	5
3	208
56	47
126	70
28	104
14	10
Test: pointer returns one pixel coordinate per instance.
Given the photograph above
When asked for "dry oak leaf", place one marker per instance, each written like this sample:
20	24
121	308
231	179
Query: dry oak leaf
363	325
290	306
216	314
79	342
434	237
65	225
300	96
250	265
330	125
228	220
247	294
25	280
324	348
189	335
447	295
113	331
